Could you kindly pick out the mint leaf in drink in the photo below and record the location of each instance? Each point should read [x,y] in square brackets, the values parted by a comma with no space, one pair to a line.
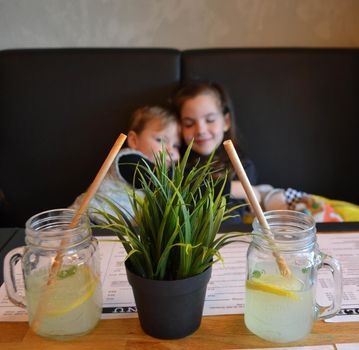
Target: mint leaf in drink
[67,272]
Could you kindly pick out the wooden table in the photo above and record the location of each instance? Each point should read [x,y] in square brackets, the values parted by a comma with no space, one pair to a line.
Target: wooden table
[216,332]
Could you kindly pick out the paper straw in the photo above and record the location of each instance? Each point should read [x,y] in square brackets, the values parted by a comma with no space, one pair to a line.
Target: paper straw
[238,167]
[56,265]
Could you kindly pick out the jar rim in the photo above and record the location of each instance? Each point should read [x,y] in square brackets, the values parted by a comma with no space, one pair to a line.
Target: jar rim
[53,224]
[290,230]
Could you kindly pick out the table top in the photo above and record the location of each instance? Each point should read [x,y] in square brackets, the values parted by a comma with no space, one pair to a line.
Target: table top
[215,332]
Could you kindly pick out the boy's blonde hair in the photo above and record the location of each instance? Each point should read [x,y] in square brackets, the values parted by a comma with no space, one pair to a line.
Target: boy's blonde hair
[141,116]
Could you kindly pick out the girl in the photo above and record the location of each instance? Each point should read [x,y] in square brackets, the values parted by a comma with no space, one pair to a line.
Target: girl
[149,129]
[206,118]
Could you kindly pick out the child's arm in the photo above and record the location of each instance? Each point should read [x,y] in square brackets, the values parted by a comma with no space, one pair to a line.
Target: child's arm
[237,191]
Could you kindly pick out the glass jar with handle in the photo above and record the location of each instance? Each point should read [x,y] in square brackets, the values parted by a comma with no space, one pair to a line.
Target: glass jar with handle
[68,304]
[282,308]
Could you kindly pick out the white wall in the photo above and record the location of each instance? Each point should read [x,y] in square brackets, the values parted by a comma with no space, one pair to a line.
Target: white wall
[180,24]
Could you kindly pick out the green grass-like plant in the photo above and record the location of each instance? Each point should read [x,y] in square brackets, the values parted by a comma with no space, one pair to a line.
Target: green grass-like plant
[172,233]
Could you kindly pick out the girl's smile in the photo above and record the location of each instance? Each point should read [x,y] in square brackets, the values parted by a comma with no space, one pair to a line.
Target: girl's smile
[203,121]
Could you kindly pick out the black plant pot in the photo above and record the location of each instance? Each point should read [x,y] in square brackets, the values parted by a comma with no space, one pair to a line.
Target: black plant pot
[169,309]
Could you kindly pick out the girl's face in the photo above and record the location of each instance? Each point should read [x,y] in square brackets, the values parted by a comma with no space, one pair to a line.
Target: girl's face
[149,140]
[203,121]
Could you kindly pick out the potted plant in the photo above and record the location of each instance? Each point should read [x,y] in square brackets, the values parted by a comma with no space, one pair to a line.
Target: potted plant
[171,242]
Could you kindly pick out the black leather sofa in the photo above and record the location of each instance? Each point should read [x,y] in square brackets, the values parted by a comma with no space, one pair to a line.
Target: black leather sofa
[297,111]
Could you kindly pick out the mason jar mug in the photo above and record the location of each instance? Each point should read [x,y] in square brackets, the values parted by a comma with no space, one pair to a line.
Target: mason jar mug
[282,307]
[61,273]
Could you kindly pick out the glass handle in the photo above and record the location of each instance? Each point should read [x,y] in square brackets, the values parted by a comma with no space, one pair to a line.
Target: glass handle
[11,259]
[334,267]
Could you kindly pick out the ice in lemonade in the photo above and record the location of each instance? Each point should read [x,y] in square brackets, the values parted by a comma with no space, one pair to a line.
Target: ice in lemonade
[278,308]
[74,305]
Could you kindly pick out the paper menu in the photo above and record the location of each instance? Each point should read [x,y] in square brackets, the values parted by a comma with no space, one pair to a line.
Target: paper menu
[348,346]
[225,291]
[344,247]
[117,294]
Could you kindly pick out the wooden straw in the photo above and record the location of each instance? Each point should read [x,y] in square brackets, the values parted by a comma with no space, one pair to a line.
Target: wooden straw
[238,167]
[56,265]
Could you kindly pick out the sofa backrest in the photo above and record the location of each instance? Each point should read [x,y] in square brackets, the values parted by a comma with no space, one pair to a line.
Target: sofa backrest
[297,112]
[61,110]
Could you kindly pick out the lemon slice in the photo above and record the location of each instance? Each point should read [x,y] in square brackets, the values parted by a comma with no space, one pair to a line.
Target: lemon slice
[274,284]
[61,304]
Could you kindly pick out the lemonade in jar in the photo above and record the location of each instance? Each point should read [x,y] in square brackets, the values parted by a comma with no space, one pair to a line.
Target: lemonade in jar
[278,307]
[71,304]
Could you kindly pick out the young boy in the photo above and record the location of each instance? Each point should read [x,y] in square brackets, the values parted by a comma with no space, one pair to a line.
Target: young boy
[150,129]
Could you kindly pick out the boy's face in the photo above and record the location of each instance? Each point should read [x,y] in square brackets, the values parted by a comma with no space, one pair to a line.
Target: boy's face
[150,140]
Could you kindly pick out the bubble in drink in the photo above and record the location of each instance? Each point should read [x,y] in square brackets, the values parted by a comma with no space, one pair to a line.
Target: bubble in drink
[278,308]
[74,304]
